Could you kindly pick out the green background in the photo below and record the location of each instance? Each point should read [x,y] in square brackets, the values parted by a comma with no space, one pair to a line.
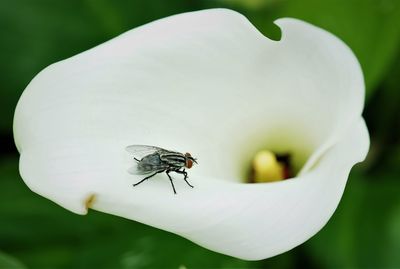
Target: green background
[35,233]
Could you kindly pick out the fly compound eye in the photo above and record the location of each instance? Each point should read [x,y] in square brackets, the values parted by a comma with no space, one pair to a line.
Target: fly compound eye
[189,160]
[189,163]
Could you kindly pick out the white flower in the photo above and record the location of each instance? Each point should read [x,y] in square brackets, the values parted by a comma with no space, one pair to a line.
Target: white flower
[208,83]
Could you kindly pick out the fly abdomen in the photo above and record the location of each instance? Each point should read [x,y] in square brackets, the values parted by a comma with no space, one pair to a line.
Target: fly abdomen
[150,163]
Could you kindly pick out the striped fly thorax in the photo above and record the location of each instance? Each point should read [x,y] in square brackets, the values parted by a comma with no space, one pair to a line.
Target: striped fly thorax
[175,159]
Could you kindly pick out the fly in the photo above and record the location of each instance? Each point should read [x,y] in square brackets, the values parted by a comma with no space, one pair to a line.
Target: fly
[154,160]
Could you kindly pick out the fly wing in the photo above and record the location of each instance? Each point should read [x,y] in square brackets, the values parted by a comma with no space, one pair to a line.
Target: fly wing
[133,170]
[140,151]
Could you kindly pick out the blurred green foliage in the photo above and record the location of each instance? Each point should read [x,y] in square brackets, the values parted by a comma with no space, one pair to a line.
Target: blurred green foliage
[9,262]
[35,233]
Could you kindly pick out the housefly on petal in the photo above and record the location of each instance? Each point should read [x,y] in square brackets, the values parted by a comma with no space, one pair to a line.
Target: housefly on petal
[154,160]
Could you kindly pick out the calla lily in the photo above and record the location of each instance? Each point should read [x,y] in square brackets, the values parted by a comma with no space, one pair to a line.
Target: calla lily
[210,84]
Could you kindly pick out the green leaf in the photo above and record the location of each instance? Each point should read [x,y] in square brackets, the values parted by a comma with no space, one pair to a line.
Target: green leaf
[9,262]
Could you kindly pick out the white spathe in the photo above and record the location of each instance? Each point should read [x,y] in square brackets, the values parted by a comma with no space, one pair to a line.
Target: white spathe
[208,83]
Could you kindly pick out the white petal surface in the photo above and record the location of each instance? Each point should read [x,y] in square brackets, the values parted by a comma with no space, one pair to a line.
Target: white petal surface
[209,83]
[249,221]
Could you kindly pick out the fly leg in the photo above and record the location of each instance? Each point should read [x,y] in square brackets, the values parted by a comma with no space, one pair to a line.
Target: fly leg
[170,179]
[185,176]
[136,159]
[147,178]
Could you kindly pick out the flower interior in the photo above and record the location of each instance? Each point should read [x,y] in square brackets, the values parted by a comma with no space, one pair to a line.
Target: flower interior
[268,166]
[276,156]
